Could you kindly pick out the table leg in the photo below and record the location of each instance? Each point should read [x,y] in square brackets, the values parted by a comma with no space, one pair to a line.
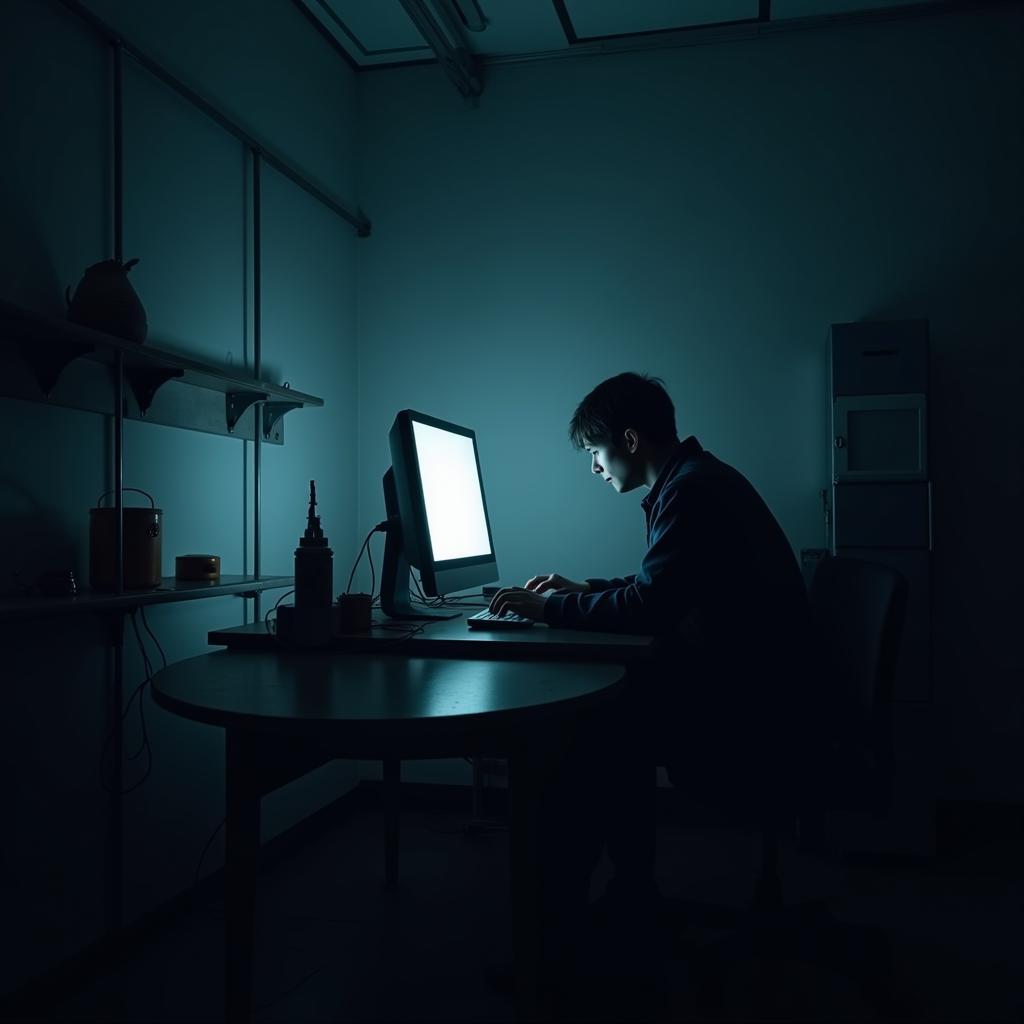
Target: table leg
[524,857]
[392,783]
[242,843]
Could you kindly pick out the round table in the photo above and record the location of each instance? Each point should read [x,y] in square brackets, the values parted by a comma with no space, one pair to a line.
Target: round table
[285,714]
[367,703]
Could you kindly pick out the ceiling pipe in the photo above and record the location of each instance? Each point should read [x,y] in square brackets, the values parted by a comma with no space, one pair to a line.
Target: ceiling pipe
[461,66]
[466,12]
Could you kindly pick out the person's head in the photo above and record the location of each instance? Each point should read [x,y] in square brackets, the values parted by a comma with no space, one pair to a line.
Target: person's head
[625,423]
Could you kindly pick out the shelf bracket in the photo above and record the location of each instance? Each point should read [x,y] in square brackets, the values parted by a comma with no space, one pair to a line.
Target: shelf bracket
[145,383]
[236,402]
[273,413]
[47,364]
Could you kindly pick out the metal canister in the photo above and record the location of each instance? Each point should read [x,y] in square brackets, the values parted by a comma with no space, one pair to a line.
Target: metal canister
[143,545]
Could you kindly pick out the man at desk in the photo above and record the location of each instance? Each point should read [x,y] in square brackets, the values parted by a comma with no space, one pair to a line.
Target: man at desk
[721,588]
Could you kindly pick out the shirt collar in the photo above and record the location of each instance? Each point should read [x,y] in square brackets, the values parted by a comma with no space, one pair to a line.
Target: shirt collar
[686,450]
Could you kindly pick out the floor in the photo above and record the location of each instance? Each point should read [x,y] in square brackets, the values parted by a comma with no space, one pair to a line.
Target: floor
[334,944]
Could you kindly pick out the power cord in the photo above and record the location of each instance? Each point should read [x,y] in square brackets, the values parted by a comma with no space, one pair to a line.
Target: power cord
[139,691]
[281,996]
[407,631]
[270,611]
[145,623]
[430,602]
[137,694]
[381,527]
[209,843]
[443,600]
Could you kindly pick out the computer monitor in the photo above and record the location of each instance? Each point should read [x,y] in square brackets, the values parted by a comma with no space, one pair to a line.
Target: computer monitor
[436,514]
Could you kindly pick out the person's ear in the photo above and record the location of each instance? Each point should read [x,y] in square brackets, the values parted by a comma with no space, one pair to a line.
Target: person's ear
[632,440]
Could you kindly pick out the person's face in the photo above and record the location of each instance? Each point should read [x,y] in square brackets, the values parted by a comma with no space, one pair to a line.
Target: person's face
[615,463]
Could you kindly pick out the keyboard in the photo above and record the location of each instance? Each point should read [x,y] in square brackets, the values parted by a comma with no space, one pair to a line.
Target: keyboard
[488,620]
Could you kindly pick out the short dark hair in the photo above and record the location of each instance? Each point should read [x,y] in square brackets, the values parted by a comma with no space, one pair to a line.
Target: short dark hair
[626,400]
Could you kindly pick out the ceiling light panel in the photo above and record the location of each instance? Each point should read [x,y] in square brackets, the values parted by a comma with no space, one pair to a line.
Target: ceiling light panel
[378,27]
[518,26]
[597,18]
[816,8]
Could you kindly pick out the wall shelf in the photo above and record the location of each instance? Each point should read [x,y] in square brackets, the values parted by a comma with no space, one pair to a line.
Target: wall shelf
[47,361]
[170,590]
[65,364]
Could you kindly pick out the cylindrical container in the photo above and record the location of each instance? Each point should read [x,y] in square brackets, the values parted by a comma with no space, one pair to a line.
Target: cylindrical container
[197,567]
[314,577]
[143,533]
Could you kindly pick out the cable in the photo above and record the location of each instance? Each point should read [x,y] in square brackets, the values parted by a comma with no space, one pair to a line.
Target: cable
[209,843]
[430,602]
[355,564]
[379,528]
[138,692]
[409,631]
[148,665]
[144,746]
[373,571]
[443,600]
[288,991]
[163,657]
[270,611]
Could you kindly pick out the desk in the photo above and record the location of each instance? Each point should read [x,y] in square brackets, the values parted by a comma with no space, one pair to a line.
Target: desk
[288,714]
[452,638]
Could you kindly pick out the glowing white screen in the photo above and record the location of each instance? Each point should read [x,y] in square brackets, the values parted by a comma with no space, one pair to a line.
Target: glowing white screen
[451,493]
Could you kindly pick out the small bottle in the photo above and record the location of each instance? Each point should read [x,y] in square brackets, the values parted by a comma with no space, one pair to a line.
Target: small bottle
[314,563]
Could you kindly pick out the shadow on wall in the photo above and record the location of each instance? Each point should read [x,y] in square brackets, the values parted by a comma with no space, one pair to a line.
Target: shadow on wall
[40,547]
[28,276]
[976,452]
[976,464]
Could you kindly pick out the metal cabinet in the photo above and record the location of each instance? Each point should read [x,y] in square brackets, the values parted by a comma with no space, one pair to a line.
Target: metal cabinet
[881,492]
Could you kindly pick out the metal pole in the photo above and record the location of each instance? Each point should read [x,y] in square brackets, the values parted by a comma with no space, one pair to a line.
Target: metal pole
[119,466]
[115,863]
[117,159]
[115,881]
[356,218]
[257,358]
[392,812]
[118,151]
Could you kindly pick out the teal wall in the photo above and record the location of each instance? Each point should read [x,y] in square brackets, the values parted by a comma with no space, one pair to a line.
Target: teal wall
[704,214]
[188,190]
[700,213]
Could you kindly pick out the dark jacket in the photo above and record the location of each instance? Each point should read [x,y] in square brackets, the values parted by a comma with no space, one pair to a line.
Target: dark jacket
[719,584]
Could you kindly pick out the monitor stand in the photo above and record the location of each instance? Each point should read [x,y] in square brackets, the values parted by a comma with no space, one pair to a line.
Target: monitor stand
[395,597]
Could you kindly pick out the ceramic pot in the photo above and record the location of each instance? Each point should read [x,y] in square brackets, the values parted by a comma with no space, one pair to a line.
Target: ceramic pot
[106,301]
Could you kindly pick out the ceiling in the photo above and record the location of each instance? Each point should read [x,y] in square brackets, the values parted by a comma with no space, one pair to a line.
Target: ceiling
[467,33]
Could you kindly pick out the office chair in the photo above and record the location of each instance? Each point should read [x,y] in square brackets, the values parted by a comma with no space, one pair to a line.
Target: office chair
[858,610]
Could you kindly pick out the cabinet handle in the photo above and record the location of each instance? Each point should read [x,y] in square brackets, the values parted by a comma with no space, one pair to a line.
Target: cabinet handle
[930,535]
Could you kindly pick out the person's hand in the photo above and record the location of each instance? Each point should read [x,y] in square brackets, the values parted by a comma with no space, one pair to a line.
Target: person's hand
[552,581]
[519,602]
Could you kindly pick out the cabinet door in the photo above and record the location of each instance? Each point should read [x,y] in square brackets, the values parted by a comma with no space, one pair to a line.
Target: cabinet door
[881,515]
[879,437]
[879,357]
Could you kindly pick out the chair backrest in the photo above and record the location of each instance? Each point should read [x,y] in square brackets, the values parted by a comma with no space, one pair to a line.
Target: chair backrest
[858,609]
